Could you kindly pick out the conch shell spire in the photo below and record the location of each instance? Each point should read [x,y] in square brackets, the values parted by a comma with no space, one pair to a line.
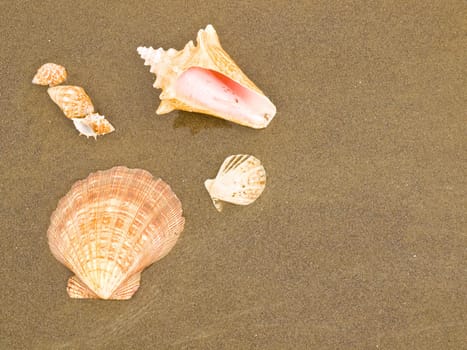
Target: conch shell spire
[205,79]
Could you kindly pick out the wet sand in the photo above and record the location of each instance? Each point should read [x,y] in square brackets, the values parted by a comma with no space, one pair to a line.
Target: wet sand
[359,240]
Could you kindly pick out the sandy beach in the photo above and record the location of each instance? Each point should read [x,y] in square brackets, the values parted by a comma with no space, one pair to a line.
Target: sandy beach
[359,239]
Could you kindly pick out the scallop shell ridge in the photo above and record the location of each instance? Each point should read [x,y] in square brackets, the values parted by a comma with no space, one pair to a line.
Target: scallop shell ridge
[112,225]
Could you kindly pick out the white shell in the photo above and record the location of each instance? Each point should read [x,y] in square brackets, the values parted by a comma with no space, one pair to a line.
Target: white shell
[93,125]
[240,180]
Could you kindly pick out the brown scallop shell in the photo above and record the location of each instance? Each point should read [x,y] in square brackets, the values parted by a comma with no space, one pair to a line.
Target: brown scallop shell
[109,227]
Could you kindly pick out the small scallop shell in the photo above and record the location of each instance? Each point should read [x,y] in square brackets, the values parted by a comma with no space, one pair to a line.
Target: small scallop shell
[50,74]
[109,227]
[93,125]
[72,100]
[240,180]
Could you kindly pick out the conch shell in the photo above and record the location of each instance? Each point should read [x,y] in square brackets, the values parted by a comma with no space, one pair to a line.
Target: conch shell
[50,74]
[205,79]
[72,100]
[240,180]
[109,227]
[93,125]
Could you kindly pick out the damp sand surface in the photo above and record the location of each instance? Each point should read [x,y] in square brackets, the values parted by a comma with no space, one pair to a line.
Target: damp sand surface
[358,241]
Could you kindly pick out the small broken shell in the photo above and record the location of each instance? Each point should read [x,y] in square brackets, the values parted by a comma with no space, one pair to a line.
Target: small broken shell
[205,79]
[93,125]
[109,227]
[240,180]
[72,100]
[50,74]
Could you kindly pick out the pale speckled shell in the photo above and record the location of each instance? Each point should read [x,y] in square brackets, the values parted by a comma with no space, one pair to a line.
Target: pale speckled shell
[50,74]
[241,180]
[93,125]
[72,100]
[109,227]
[169,65]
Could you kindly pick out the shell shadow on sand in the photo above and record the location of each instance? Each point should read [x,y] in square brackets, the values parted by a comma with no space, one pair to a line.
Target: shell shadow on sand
[197,122]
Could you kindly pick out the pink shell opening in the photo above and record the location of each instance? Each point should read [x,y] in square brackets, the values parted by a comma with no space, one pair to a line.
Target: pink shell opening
[217,94]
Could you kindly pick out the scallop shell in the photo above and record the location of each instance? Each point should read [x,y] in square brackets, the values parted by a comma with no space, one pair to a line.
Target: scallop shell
[50,74]
[109,227]
[240,180]
[93,125]
[205,79]
[72,100]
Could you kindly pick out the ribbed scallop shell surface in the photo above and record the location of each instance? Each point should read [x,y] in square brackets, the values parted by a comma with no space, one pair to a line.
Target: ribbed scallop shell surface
[112,225]
[241,180]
